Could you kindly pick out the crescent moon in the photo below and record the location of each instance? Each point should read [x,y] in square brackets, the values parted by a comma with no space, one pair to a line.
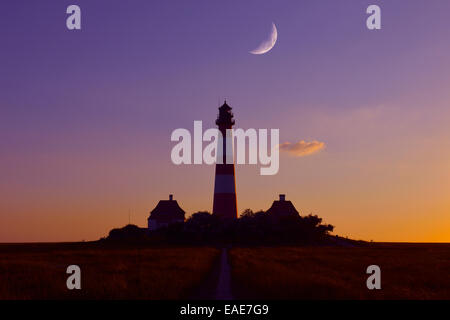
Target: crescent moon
[268,44]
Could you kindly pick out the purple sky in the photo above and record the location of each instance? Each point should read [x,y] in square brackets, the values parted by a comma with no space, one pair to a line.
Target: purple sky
[149,64]
[87,115]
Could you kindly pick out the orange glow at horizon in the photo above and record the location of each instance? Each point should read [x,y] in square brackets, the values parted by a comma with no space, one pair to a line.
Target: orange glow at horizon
[374,188]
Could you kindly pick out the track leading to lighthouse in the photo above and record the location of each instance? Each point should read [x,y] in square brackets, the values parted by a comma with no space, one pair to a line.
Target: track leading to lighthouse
[223,288]
[217,285]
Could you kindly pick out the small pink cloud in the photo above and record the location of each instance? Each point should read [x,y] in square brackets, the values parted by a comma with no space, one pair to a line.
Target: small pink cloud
[302,148]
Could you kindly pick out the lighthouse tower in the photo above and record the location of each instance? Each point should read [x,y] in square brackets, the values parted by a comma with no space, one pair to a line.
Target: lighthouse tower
[224,205]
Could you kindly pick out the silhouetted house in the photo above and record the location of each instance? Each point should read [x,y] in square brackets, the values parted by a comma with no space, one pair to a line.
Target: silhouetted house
[282,208]
[165,213]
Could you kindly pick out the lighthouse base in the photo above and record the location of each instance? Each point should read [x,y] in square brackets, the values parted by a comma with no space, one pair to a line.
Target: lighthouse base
[225,205]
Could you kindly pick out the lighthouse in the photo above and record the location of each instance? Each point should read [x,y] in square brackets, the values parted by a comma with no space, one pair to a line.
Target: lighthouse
[225,204]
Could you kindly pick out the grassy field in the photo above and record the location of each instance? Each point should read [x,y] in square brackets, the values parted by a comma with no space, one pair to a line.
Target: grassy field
[38,271]
[408,271]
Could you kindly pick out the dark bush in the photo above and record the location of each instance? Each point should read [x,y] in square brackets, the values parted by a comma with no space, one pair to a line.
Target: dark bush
[251,228]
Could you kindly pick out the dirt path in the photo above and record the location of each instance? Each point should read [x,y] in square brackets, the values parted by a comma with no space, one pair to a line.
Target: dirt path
[223,289]
[217,285]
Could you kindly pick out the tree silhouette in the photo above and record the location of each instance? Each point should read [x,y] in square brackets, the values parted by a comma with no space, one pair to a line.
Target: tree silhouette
[251,228]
